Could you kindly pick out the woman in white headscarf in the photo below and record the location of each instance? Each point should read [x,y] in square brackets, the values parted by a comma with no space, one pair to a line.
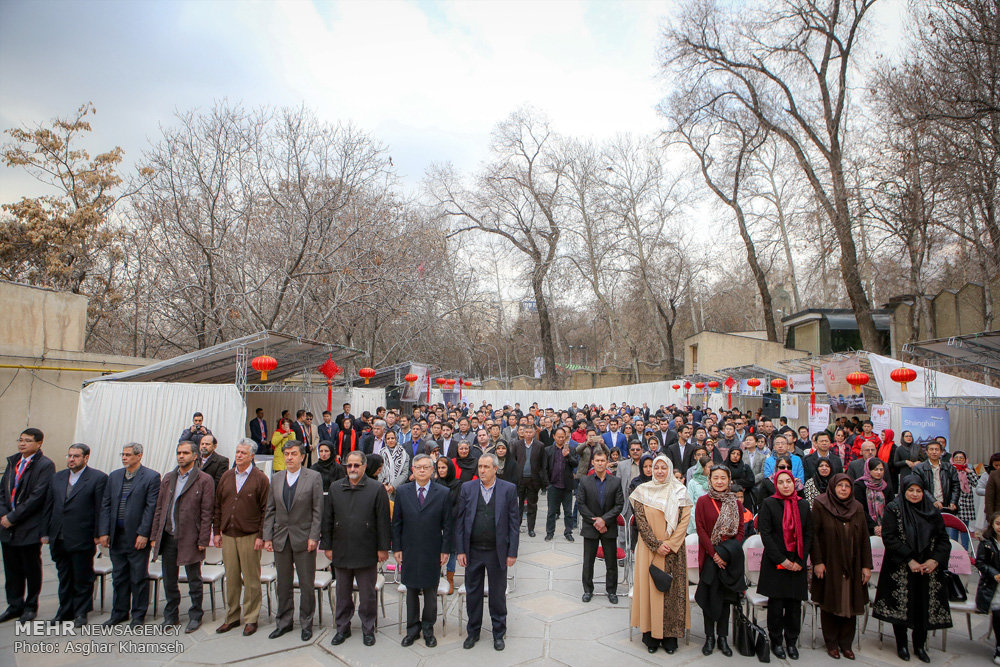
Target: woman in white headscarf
[662,511]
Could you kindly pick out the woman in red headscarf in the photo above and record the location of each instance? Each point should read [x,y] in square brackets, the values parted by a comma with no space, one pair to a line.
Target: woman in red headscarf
[888,449]
[785,529]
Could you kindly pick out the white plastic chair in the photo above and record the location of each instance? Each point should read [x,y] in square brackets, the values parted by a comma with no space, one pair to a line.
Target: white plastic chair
[268,575]
[753,552]
[960,564]
[322,581]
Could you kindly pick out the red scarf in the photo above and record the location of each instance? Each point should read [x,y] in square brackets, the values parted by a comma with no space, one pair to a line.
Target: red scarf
[884,451]
[791,522]
[340,443]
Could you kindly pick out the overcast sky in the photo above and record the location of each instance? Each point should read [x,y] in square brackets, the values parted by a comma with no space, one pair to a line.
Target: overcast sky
[429,79]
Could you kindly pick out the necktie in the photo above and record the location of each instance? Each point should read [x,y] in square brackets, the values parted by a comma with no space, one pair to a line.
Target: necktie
[420,496]
[22,464]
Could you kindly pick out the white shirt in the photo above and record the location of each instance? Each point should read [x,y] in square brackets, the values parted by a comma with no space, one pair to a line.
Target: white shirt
[292,477]
[74,477]
[242,477]
[425,487]
[377,447]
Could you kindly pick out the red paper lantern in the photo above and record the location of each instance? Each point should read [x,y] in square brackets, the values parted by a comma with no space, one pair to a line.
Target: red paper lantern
[367,374]
[699,385]
[450,382]
[410,377]
[263,364]
[857,380]
[778,384]
[713,385]
[467,383]
[676,387]
[440,382]
[330,369]
[903,376]
[753,383]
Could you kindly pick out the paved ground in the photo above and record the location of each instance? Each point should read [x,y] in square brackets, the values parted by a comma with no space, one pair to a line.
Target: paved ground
[547,624]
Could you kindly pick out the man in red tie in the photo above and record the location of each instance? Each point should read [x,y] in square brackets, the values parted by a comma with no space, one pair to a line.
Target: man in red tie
[23,489]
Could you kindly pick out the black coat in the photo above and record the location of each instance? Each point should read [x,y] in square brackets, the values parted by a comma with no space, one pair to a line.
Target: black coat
[509,471]
[861,495]
[743,476]
[74,518]
[139,509]
[681,462]
[422,533]
[591,508]
[810,462]
[537,449]
[215,466]
[27,513]
[781,583]
[326,431]
[570,461]
[356,523]
[255,432]
[988,564]
[950,488]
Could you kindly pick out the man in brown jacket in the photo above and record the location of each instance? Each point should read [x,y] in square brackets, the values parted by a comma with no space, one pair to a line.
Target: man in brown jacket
[240,503]
[182,526]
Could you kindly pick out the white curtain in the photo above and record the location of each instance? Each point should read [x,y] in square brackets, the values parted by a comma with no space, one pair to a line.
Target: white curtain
[112,414]
[653,394]
[915,394]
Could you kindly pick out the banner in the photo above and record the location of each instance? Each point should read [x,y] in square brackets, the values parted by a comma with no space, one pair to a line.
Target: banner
[790,406]
[798,383]
[843,400]
[747,390]
[924,423]
[880,418]
[417,391]
[819,418]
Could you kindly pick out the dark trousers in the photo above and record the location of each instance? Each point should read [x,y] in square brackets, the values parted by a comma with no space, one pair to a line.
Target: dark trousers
[527,494]
[288,563]
[919,636]
[483,563]
[168,559]
[130,579]
[718,627]
[367,598]
[784,620]
[610,546]
[22,566]
[415,621]
[559,498]
[76,580]
[995,619]
[838,631]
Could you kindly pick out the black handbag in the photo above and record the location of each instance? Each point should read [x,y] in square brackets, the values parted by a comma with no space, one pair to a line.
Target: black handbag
[761,642]
[955,587]
[743,637]
[661,579]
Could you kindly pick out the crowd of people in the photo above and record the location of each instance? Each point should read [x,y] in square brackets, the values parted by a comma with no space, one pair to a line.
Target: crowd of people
[454,486]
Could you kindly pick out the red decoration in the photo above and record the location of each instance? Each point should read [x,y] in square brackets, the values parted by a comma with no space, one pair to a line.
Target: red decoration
[730,383]
[778,384]
[753,383]
[812,388]
[450,382]
[467,383]
[676,387]
[902,376]
[857,380]
[264,363]
[713,385]
[367,374]
[330,369]
[410,377]
[440,382]
[699,385]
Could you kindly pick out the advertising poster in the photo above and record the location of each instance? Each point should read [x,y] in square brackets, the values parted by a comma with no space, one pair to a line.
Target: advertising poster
[925,423]
[799,383]
[819,417]
[880,418]
[843,400]
[747,390]
[417,391]
[790,406]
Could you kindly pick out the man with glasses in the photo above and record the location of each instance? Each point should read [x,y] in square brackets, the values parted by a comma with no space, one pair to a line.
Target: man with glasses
[126,524]
[780,447]
[356,538]
[421,541]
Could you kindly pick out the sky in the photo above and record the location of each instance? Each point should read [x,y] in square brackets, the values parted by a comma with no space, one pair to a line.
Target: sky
[428,79]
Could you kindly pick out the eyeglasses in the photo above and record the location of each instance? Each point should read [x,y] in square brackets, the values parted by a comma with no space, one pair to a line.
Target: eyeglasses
[783,468]
[353,465]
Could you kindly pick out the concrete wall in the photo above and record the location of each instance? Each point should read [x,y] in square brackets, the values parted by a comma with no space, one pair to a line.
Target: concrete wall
[720,350]
[951,313]
[46,329]
[809,338]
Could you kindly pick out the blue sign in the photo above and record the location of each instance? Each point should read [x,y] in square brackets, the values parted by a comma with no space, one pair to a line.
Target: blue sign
[924,423]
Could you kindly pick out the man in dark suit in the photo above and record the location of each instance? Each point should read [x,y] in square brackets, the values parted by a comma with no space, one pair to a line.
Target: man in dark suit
[528,454]
[601,500]
[211,462]
[327,429]
[558,470]
[421,532]
[810,462]
[681,452]
[258,428]
[72,510]
[615,438]
[487,533]
[23,490]
[126,524]
[304,434]
[666,436]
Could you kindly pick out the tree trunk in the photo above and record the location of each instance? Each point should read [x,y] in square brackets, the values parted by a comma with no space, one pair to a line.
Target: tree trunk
[545,328]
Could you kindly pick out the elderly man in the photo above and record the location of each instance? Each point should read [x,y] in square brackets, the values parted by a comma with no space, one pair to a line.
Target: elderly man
[126,524]
[421,533]
[856,469]
[356,538]
[211,463]
[291,530]
[487,533]
[182,525]
[72,511]
[373,443]
[240,506]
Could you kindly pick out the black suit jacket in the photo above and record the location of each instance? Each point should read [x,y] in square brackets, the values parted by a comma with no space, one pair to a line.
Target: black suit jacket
[591,508]
[326,431]
[537,449]
[422,533]
[810,462]
[138,510]
[215,467]
[75,517]
[508,518]
[666,440]
[681,462]
[255,431]
[27,511]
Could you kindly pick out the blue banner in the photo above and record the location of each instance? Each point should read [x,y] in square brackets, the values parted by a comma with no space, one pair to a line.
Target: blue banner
[924,423]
